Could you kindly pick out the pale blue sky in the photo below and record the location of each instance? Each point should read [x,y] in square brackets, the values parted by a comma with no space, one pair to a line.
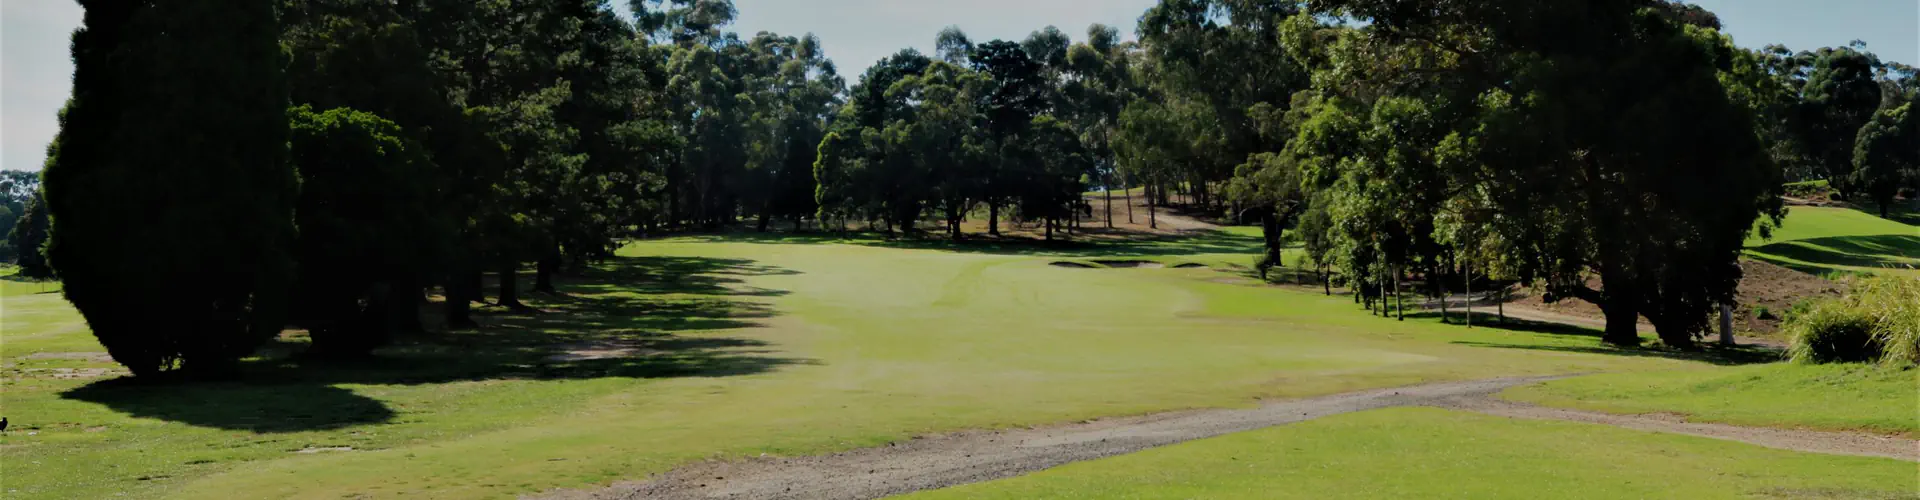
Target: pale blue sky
[35,71]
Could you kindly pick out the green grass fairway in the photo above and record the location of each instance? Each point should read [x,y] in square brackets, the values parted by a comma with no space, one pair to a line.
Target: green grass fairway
[1432,453]
[1824,240]
[730,346]
[1840,397]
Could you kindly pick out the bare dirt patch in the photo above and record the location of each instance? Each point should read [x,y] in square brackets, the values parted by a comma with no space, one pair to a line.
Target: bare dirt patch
[323,449]
[600,349]
[1129,264]
[98,357]
[948,460]
[72,373]
[1765,293]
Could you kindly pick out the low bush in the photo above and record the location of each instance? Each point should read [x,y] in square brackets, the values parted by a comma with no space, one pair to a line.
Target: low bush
[1807,189]
[1879,320]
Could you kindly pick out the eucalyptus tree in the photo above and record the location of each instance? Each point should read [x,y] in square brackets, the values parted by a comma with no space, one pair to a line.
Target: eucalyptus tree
[1886,155]
[1652,191]
[1018,93]
[854,173]
[793,87]
[1840,95]
[1100,85]
[944,133]
[1227,55]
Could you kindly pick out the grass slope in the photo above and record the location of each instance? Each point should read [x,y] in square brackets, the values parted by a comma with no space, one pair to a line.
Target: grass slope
[1840,397]
[1825,240]
[1432,453]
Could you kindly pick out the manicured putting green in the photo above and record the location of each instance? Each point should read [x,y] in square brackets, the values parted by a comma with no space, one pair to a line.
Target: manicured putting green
[1432,453]
[1823,240]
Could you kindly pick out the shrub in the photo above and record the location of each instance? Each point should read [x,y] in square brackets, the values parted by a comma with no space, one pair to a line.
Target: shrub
[1878,321]
[1807,189]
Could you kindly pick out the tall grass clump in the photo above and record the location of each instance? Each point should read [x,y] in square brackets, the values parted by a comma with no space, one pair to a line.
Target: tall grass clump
[1879,320]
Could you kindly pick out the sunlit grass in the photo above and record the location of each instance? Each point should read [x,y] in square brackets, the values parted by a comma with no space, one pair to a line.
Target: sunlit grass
[1432,453]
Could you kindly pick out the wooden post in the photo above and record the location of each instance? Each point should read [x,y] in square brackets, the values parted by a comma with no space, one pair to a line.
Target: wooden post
[1726,324]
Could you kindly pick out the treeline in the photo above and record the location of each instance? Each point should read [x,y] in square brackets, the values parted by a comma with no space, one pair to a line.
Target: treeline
[222,172]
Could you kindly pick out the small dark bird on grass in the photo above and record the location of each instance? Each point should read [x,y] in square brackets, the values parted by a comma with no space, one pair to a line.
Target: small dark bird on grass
[3,423]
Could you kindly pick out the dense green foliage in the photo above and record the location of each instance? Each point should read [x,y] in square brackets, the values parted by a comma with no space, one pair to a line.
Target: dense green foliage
[18,189]
[27,239]
[369,228]
[208,199]
[1877,321]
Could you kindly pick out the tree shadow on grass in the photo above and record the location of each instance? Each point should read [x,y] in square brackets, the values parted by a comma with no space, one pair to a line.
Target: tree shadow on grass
[1710,353]
[1879,251]
[1484,319]
[1112,244]
[1724,356]
[629,317]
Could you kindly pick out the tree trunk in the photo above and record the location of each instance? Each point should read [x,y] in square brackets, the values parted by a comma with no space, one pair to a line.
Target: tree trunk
[1109,194]
[1726,324]
[993,217]
[544,271]
[461,293]
[766,214]
[407,297]
[510,286]
[1153,222]
[1326,279]
[1270,231]
[1623,322]
[1399,299]
[1129,204]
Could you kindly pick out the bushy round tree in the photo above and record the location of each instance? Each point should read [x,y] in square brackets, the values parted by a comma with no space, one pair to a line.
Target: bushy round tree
[170,195]
[369,227]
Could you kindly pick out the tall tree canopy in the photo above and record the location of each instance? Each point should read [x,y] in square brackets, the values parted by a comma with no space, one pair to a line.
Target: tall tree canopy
[209,201]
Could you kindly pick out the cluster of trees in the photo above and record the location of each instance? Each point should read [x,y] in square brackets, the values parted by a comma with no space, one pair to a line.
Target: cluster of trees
[323,163]
[23,220]
[1016,127]
[1617,152]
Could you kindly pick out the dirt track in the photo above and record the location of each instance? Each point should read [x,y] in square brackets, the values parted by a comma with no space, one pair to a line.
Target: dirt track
[942,461]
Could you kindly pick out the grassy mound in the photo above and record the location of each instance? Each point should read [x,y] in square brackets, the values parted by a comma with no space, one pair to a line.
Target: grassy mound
[1828,240]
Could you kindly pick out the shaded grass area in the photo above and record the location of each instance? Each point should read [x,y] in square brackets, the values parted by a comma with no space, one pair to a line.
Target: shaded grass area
[1229,240]
[11,283]
[81,438]
[1432,453]
[1839,396]
[1826,240]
